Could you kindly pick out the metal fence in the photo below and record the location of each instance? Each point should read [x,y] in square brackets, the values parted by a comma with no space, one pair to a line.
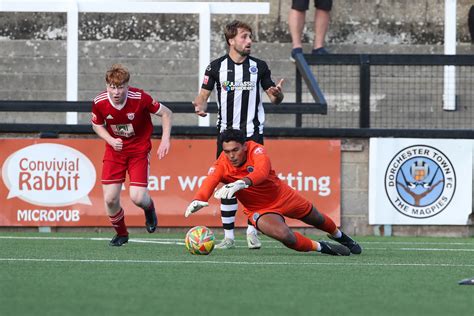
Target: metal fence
[343,96]
[391,91]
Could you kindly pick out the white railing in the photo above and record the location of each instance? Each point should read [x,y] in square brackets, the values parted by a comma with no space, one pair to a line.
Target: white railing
[449,90]
[73,7]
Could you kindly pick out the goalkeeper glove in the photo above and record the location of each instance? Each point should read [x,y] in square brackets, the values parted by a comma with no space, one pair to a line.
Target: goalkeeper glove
[194,207]
[228,190]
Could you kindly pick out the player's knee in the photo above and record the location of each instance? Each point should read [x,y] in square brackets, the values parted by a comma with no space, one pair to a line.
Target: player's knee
[319,218]
[286,236]
[112,201]
[140,198]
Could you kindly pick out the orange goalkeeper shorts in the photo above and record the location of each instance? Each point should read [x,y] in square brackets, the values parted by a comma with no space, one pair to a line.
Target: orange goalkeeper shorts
[289,204]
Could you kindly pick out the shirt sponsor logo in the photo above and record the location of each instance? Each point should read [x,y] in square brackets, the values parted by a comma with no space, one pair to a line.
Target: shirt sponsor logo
[240,85]
[420,181]
[124,130]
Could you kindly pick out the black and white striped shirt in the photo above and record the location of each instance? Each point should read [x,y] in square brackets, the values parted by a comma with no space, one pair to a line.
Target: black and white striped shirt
[239,92]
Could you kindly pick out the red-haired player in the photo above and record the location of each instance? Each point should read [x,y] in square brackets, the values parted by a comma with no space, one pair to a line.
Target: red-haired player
[246,170]
[121,116]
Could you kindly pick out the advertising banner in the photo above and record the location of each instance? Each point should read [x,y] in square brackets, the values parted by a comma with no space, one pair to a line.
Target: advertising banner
[420,181]
[56,182]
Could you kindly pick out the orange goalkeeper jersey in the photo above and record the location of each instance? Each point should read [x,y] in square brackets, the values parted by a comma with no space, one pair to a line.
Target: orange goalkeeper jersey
[266,187]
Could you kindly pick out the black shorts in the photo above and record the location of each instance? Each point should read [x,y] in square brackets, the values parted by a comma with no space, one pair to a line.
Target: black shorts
[303,5]
[258,138]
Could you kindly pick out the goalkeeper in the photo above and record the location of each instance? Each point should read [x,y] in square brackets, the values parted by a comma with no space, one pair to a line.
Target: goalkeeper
[245,169]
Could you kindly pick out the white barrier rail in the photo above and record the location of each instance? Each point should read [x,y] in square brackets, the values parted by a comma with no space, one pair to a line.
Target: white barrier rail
[449,90]
[73,7]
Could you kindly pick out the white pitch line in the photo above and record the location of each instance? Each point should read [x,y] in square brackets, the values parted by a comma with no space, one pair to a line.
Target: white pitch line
[179,241]
[156,240]
[434,249]
[89,238]
[449,265]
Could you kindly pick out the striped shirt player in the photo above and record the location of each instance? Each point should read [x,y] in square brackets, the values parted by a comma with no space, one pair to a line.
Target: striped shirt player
[121,116]
[239,80]
[239,88]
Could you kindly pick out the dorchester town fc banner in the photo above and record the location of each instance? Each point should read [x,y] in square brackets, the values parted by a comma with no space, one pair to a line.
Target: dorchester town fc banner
[420,181]
[57,182]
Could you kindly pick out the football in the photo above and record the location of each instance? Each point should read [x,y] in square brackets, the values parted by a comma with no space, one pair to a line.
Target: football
[199,240]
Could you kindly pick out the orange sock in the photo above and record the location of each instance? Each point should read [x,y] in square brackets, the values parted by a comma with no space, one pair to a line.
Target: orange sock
[328,225]
[302,243]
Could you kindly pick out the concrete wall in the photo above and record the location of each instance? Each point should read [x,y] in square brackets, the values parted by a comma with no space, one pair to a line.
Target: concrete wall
[353,22]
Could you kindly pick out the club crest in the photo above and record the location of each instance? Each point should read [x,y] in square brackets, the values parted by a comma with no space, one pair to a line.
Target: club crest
[420,181]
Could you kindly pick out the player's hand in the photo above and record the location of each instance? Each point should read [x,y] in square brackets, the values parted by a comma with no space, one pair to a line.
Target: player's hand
[228,190]
[276,90]
[200,109]
[195,206]
[164,148]
[117,144]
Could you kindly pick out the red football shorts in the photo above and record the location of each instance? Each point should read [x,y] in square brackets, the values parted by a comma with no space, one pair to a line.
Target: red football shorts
[117,164]
[289,204]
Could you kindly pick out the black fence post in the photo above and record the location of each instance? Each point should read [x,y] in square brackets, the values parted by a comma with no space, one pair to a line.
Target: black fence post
[364,93]
[299,93]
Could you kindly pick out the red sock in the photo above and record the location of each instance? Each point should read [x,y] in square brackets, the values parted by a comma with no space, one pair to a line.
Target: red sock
[118,222]
[302,243]
[328,225]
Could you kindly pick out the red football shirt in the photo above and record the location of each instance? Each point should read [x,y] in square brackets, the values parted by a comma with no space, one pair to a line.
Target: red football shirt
[132,122]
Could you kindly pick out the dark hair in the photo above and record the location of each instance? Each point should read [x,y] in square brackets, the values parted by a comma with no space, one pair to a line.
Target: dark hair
[230,135]
[231,29]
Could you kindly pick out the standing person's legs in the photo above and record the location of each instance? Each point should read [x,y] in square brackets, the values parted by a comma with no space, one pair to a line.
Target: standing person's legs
[113,175]
[138,170]
[115,213]
[321,24]
[228,211]
[296,21]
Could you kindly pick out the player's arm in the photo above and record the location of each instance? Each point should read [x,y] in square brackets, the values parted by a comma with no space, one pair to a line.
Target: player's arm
[200,102]
[208,83]
[275,93]
[101,131]
[166,121]
[208,186]
[262,166]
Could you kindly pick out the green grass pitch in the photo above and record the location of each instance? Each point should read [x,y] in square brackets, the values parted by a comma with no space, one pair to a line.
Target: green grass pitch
[79,274]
